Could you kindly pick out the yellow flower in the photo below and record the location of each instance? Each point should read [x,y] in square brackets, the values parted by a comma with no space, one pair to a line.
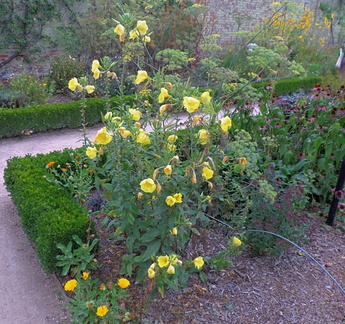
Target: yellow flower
[174,231]
[236,241]
[91,152]
[95,65]
[73,84]
[196,120]
[90,88]
[85,275]
[108,115]
[168,169]
[123,283]
[170,201]
[198,262]
[207,173]
[225,123]
[116,120]
[136,114]
[171,147]
[102,310]
[225,158]
[172,138]
[178,198]
[119,30]
[163,261]
[103,137]
[163,108]
[140,195]
[171,269]
[151,273]
[143,138]
[133,34]
[147,39]
[70,285]
[205,97]
[124,132]
[243,161]
[164,94]
[148,185]
[204,136]
[142,27]
[191,104]
[96,74]
[141,76]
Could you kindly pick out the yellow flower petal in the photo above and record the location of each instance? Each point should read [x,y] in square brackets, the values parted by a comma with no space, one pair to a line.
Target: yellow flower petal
[102,137]
[225,123]
[198,262]
[170,201]
[148,185]
[164,94]
[142,27]
[191,104]
[236,241]
[207,173]
[102,310]
[123,283]
[205,97]
[136,114]
[143,138]
[91,152]
[89,89]
[119,30]
[163,261]
[141,76]
[95,65]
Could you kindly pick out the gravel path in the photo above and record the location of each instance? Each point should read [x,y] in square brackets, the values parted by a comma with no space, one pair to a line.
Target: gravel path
[29,296]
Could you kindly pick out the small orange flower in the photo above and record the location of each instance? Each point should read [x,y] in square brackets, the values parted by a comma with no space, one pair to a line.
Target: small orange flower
[91,171]
[50,164]
[63,169]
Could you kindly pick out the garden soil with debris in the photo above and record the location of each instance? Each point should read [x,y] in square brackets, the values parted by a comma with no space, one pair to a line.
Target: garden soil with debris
[286,289]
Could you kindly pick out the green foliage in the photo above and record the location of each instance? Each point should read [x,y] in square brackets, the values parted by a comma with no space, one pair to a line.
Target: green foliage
[14,122]
[77,260]
[63,68]
[283,87]
[95,302]
[22,25]
[75,176]
[28,90]
[48,212]
[279,217]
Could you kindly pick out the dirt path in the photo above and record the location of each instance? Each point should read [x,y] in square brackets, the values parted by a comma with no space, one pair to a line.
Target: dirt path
[29,296]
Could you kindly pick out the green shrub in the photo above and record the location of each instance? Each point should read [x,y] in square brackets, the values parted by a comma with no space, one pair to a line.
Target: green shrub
[63,68]
[283,87]
[29,90]
[13,122]
[49,213]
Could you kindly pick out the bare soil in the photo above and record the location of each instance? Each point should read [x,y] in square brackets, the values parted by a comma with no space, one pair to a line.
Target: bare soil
[286,289]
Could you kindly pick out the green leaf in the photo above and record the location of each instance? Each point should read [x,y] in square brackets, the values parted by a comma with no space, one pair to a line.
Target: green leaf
[151,250]
[149,236]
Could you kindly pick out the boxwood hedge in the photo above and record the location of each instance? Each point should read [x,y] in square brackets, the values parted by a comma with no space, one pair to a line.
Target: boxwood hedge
[48,212]
[13,122]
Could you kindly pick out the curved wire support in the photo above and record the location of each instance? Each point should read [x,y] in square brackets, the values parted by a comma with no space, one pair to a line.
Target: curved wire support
[294,244]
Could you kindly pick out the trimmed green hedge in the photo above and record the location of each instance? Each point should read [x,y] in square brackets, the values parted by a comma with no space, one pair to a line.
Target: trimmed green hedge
[54,116]
[287,86]
[48,212]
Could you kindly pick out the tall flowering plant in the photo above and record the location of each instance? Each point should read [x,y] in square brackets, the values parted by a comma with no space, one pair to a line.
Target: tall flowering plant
[158,189]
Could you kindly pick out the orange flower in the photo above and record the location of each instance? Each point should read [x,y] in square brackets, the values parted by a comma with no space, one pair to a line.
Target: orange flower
[50,164]
[123,283]
[63,169]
